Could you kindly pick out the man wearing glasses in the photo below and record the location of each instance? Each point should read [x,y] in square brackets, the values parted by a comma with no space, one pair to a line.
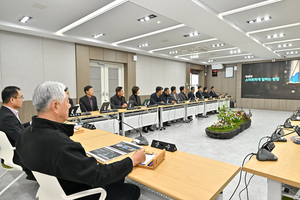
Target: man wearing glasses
[10,123]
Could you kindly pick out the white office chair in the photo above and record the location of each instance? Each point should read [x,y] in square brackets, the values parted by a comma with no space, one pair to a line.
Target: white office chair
[50,189]
[7,153]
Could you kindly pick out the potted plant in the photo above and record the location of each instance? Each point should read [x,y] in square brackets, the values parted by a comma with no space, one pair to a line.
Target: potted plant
[230,123]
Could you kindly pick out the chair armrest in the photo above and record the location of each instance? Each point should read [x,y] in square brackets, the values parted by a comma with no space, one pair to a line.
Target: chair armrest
[13,148]
[86,193]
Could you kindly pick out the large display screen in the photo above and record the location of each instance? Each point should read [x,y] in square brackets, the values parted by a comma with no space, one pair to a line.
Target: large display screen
[271,80]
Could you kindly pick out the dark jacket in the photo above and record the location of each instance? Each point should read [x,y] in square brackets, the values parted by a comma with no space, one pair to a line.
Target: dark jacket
[154,99]
[205,94]
[136,99]
[164,97]
[191,96]
[213,94]
[85,104]
[12,127]
[174,96]
[114,101]
[199,95]
[45,147]
[182,96]
[71,102]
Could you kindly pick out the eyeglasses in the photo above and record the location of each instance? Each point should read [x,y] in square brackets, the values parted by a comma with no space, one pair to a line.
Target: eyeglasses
[21,97]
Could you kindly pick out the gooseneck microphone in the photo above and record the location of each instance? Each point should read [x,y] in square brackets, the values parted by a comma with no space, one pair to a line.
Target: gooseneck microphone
[140,140]
[264,152]
[86,112]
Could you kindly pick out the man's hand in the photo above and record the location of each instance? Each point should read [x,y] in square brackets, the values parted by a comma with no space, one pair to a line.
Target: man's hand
[124,105]
[197,99]
[138,157]
[173,101]
[162,101]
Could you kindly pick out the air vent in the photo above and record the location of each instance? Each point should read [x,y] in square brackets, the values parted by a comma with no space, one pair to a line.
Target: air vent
[39,6]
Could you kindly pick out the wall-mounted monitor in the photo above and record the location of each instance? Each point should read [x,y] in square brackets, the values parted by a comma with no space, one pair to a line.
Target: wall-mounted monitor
[271,80]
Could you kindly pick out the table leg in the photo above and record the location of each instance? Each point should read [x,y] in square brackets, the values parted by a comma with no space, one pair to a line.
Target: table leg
[204,106]
[274,190]
[122,124]
[160,113]
[185,112]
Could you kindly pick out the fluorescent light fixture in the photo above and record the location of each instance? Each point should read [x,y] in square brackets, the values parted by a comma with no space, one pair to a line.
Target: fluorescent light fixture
[147,18]
[194,56]
[209,51]
[249,7]
[210,61]
[231,56]
[274,28]
[143,45]
[275,36]
[173,52]
[248,57]
[92,15]
[149,34]
[259,19]
[185,44]
[292,40]
[191,34]
[287,49]
[25,19]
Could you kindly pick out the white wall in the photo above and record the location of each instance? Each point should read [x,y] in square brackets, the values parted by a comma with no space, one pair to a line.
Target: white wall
[26,61]
[152,72]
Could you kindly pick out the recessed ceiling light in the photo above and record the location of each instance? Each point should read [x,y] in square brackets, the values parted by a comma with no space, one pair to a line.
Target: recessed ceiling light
[191,34]
[235,51]
[173,52]
[147,18]
[210,61]
[266,18]
[275,36]
[98,35]
[217,45]
[260,19]
[25,19]
[143,45]
[194,56]
[248,57]
[158,22]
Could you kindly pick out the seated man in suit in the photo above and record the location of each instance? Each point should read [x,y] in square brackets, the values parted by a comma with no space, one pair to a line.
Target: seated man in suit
[89,101]
[137,102]
[212,92]
[70,100]
[205,93]
[181,95]
[165,95]
[191,94]
[118,100]
[46,147]
[174,95]
[156,97]
[10,123]
[199,93]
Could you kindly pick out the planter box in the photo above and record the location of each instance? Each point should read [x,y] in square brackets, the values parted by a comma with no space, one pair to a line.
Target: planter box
[229,134]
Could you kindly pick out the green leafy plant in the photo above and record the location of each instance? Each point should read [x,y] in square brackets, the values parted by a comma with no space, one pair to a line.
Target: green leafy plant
[228,119]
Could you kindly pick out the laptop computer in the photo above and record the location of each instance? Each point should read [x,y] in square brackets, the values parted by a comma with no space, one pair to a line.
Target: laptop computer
[104,107]
[72,111]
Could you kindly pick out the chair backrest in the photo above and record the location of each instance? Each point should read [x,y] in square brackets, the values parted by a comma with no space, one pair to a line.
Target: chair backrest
[49,187]
[7,151]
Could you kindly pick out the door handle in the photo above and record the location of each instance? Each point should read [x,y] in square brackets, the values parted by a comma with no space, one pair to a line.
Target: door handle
[106,93]
[103,94]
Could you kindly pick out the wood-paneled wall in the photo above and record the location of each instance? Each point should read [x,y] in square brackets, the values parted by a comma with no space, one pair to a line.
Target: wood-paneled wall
[86,53]
[223,85]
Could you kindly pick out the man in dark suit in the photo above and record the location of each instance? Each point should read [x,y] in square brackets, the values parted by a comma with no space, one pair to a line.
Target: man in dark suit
[212,92]
[182,95]
[174,95]
[89,101]
[205,93]
[156,97]
[199,93]
[191,94]
[46,147]
[118,100]
[134,97]
[10,123]
[165,95]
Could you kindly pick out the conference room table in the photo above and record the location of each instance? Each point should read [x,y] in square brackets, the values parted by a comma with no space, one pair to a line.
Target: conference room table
[179,176]
[283,171]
